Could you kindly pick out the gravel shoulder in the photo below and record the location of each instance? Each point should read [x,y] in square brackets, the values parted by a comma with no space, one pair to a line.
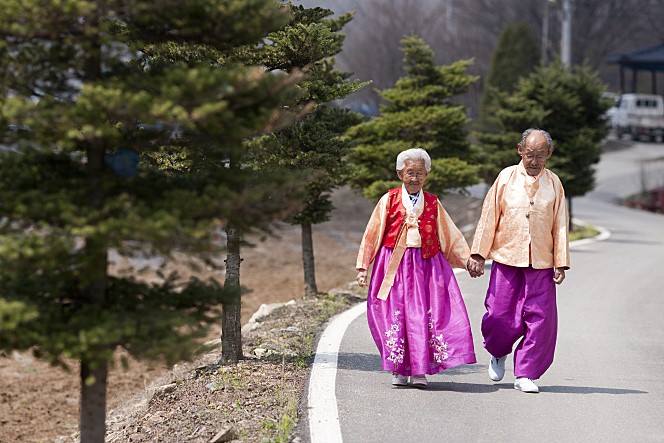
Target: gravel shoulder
[256,400]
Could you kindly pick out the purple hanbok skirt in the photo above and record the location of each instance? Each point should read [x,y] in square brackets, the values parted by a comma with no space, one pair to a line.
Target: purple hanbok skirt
[422,327]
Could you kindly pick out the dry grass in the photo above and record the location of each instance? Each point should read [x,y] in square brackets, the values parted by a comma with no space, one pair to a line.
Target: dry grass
[257,399]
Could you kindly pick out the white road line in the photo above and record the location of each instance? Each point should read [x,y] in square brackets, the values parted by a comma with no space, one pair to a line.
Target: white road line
[323,412]
[322,400]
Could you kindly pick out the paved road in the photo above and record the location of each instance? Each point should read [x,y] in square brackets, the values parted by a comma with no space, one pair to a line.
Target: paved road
[607,381]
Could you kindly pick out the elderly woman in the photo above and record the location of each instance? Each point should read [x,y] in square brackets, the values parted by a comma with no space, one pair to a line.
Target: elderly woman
[416,314]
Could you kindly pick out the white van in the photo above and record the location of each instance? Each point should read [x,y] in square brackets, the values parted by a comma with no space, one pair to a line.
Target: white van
[639,115]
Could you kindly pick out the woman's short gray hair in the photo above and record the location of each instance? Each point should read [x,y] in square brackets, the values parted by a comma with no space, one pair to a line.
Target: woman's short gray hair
[414,154]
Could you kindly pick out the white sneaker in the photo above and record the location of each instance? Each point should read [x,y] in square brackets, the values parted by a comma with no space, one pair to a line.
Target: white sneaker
[497,368]
[524,384]
[399,380]
[418,381]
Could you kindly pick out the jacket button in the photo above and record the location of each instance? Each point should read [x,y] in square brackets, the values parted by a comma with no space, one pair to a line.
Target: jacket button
[528,215]
[532,202]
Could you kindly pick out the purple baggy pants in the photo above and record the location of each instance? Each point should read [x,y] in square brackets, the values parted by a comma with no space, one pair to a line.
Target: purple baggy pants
[521,302]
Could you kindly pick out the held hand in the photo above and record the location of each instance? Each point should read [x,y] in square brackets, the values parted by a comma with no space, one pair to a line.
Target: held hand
[558,275]
[362,278]
[475,265]
[470,267]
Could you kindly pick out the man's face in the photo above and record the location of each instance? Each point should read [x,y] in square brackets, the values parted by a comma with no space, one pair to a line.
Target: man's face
[535,153]
[413,175]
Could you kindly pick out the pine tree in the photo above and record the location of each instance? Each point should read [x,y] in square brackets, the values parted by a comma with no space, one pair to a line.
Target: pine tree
[497,148]
[302,47]
[568,104]
[113,144]
[282,199]
[516,55]
[313,143]
[419,112]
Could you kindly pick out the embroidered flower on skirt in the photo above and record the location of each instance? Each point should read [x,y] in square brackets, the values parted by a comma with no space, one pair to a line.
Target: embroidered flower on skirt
[395,342]
[436,343]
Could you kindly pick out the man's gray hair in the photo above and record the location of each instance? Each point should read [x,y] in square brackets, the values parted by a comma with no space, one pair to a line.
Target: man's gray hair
[547,136]
[414,154]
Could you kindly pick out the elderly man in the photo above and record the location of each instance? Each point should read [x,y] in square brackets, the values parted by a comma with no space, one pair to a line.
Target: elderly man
[523,228]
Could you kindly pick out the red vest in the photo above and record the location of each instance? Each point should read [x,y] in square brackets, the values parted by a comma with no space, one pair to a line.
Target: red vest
[427,222]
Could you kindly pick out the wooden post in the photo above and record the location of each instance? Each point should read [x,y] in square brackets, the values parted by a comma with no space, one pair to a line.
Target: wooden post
[635,75]
[622,78]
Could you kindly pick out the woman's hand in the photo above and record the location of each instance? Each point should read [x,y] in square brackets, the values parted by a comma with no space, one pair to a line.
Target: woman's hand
[475,265]
[362,278]
[558,275]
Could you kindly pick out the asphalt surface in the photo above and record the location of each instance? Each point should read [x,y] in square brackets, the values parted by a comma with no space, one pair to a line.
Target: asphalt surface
[607,381]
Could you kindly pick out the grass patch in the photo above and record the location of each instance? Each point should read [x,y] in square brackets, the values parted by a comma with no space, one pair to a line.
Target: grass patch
[283,429]
[583,231]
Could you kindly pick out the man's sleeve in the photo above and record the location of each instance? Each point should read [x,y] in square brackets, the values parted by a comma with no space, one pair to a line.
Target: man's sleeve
[560,230]
[486,226]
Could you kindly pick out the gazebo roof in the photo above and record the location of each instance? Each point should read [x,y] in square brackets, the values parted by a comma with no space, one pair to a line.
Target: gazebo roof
[645,59]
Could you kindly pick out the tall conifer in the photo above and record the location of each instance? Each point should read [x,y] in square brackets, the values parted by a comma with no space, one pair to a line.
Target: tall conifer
[314,143]
[102,126]
[516,55]
[566,102]
[419,112]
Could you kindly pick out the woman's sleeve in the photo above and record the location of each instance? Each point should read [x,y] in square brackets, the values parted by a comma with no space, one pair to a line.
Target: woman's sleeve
[373,235]
[451,241]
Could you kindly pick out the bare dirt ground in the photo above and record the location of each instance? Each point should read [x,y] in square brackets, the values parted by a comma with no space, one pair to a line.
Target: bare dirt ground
[39,403]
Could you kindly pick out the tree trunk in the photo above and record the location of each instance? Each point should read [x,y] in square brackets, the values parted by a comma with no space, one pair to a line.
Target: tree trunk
[231,321]
[569,213]
[93,403]
[94,373]
[308,261]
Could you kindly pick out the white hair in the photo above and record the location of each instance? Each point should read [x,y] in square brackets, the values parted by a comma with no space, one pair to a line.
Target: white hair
[414,154]
[547,136]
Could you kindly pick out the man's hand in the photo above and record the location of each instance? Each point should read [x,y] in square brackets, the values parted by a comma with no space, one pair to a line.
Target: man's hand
[558,275]
[475,265]
[362,278]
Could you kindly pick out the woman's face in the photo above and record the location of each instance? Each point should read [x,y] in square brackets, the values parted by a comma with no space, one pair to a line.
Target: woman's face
[413,175]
